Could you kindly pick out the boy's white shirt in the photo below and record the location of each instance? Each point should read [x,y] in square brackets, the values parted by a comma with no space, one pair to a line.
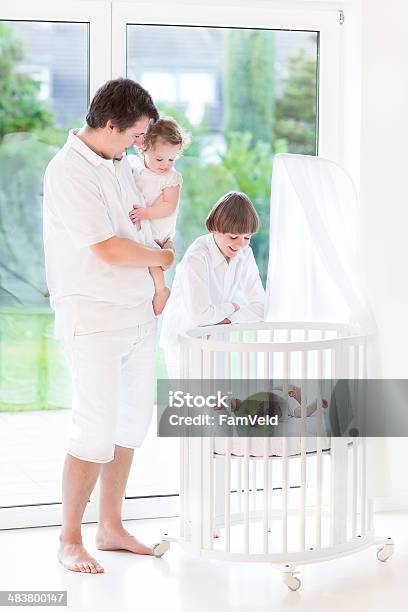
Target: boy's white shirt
[204,289]
[87,199]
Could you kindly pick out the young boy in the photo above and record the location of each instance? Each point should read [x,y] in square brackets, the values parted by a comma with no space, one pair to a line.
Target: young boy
[213,270]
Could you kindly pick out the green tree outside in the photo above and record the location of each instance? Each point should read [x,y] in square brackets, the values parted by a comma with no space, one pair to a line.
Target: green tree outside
[296,109]
[20,108]
[249,84]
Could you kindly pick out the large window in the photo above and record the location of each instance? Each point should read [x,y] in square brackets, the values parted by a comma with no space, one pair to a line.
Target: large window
[45,84]
[244,94]
[246,83]
[44,90]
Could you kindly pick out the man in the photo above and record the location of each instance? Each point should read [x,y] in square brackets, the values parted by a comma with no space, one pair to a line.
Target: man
[101,291]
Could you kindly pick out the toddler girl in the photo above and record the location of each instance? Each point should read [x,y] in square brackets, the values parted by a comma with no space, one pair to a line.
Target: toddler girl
[160,185]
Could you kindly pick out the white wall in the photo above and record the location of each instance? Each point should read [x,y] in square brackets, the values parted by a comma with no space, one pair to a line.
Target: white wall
[384,207]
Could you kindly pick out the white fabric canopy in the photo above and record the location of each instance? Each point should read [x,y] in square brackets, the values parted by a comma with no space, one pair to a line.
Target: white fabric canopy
[313,273]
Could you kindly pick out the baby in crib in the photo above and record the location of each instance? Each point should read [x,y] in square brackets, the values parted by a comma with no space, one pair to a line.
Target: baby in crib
[295,399]
[160,183]
[275,402]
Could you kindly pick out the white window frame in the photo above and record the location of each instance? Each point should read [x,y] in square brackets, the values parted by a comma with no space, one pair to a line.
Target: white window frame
[98,16]
[287,16]
[107,59]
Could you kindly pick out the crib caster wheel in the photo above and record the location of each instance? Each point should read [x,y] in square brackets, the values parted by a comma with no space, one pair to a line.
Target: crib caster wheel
[291,581]
[385,552]
[160,548]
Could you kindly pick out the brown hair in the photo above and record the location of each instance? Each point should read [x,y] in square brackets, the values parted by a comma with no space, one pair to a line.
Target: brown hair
[123,101]
[234,213]
[168,130]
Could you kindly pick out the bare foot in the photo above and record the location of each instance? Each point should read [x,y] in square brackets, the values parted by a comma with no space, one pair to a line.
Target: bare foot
[120,539]
[75,558]
[159,300]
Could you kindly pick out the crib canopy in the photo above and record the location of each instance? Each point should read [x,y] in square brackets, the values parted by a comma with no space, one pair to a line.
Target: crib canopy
[313,273]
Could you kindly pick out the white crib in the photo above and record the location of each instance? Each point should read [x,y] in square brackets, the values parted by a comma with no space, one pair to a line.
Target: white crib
[287,500]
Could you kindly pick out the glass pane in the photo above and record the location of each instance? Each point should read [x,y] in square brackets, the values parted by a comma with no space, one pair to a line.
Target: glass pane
[244,95]
[43,91]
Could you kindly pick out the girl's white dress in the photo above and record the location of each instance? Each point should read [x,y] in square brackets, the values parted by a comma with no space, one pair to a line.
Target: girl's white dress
[151,185]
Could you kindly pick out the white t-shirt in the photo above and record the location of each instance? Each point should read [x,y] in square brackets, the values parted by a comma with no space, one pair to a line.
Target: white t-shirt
[151,185]
[205,286]
[87,199]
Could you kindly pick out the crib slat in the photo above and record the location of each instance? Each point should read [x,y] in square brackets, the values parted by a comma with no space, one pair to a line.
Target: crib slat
[245,365]
[356,361]
[246,496]
[266,365]
[363,499]
[253,485]
[207,367]
[319,457]
[184,493]
[227,495]
[240,358]
[339,490]
[333,363]
[285,372]
[285,460]
[227,366]
[272,374]
[285,483]
[265,495]
[303,440]
[239,484]
[207,450]
[354,489]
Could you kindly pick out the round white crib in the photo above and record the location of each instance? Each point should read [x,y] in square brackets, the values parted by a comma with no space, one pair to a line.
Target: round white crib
[284,500]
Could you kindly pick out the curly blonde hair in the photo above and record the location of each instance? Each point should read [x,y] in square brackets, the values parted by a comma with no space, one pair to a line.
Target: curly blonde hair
[165,128]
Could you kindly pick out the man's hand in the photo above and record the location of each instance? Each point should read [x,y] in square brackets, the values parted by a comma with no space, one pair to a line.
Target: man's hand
[138,212]
[168,245]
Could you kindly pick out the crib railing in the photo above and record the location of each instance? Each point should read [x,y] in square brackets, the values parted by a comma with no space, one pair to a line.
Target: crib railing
[273,350]
[290,499]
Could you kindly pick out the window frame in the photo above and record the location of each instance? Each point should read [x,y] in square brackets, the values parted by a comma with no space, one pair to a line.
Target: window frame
[107,59]
[292,16]
[96,14]
[98,17]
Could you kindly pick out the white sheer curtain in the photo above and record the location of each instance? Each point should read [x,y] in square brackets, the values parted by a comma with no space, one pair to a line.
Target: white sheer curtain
[313,273]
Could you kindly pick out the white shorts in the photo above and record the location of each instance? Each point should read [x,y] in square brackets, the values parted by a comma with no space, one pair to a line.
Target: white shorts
[113,376]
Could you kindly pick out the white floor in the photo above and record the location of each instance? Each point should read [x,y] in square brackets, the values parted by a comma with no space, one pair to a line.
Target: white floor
[179,582]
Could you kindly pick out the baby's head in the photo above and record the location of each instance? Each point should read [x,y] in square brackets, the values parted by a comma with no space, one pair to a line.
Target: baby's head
[163,142]
[232,220]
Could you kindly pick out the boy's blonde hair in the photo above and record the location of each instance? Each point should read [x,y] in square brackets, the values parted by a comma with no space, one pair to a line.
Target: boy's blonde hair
[168,130]
[233,213]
